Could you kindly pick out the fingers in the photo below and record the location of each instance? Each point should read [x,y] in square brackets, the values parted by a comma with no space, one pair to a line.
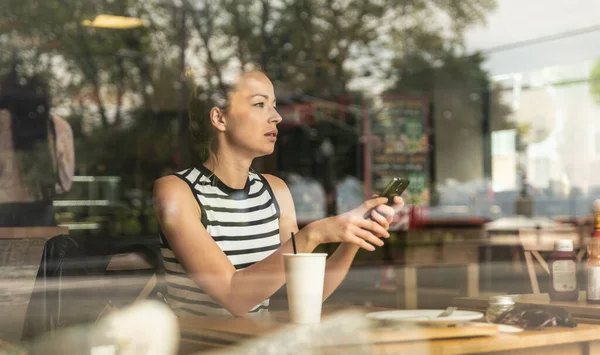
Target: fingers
[367,236]
[388,213]
[360,242]
[372,226]
[374,202]
[398,202]
[383,220]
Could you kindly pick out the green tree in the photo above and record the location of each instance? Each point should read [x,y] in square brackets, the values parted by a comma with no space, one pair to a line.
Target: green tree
[306,45]
[113,78]
[105,69]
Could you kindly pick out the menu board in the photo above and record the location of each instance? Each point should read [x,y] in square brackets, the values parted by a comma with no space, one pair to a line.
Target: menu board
[401,146]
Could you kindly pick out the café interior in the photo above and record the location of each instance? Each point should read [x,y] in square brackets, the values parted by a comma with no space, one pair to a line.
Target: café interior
[485,108]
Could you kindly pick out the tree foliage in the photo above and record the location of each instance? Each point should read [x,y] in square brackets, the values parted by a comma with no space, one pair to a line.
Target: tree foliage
[127,85]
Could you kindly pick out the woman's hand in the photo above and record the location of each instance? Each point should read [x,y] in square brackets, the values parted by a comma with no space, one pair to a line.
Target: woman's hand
[384,214]
[353,227]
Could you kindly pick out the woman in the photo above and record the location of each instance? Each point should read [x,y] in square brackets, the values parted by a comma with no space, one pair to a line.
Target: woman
[225,228]
[36,153]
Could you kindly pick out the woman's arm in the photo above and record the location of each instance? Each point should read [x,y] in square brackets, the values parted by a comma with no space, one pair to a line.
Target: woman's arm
[340,261]
[203,260]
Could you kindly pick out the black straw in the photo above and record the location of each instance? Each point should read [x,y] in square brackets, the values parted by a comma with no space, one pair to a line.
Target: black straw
[294,243]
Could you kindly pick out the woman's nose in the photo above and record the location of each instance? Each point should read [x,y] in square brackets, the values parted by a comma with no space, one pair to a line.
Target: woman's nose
[275,117]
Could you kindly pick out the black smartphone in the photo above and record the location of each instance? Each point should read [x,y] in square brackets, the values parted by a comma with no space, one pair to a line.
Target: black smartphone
[394,188]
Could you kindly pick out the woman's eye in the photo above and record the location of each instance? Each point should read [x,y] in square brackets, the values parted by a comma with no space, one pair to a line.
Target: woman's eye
[260,104]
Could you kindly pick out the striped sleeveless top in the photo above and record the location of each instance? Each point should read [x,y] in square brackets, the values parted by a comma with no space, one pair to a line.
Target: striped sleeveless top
[243,222]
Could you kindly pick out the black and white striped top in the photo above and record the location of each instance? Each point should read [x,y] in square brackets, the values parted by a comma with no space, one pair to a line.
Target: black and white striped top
[243,222]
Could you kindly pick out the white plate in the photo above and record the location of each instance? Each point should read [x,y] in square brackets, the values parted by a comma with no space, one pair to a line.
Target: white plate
[424,316]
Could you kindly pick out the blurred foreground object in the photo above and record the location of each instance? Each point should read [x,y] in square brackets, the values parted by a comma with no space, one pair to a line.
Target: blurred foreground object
[146,328]
[311,339]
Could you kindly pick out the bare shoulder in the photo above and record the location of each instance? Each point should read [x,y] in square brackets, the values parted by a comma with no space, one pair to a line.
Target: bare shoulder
[282,192]
[171,196]
[287,218]
[169,187]
[277,184]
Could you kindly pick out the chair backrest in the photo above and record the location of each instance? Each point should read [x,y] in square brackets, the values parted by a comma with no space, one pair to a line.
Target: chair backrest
[74,284]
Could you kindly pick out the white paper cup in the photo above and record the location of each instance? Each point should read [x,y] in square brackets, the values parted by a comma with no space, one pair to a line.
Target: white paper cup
[305,276]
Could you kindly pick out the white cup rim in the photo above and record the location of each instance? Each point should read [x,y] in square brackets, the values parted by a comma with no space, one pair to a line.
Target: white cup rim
[305,254]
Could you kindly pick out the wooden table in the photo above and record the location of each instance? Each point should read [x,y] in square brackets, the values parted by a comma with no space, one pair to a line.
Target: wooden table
[31,232]
[203,333]
[15,237]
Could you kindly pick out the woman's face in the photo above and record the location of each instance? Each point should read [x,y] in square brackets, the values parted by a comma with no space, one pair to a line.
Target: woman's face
[251,120]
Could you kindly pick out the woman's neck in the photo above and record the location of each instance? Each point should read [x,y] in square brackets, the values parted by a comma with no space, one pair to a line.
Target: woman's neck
[232,171]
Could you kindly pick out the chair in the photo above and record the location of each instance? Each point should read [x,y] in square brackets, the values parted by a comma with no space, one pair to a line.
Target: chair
[76,284]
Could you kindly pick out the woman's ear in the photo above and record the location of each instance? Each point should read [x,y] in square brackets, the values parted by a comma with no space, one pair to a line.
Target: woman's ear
[217,118]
